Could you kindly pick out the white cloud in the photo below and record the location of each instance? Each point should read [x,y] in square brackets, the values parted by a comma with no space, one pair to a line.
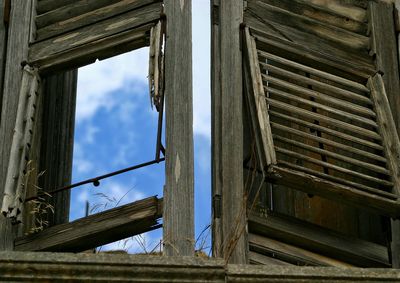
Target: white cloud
[97,81]
[81,164]
[201,68]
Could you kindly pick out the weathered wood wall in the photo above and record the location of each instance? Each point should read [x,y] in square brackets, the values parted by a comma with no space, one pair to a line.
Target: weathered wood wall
[178,216]
[227,141]
[3,45]
[57,140]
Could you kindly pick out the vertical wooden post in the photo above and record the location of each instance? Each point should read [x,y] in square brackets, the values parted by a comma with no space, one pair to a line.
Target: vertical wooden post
[228,132]
[178,217]
[384,45]
[3,43]
[58,124]
[17,52]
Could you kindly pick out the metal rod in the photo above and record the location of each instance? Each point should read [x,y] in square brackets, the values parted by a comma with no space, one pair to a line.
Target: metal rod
[96,180]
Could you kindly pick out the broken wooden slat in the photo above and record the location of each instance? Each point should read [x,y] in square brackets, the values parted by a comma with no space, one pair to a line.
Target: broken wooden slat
[336,35]
[320,240]
[351,21]
[320,57]
[155,64]
[330,190]
[98,49]
[95,230]
[334,122]
[289,253]
[326,130]
[70,41]
[348,148]
[77,16]
[352,9]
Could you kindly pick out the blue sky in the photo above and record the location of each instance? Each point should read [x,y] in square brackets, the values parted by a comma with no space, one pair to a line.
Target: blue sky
[116,128]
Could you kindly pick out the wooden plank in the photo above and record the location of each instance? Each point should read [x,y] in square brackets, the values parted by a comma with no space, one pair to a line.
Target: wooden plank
[387,129]
[273,14]
[329,131]
[78,14]
[338,180]
[334,122]
[17,50]
[57,141]
[257,258]
[178,229]
[99,49]
[323,152]
[384,45]
[316,72]
[317,57]
[258,98]
[348,148]
[320,85]
[86,35]
[335,111]
[332,166]
[3,49]
[95,230]
[329,99]
[44,6]
[352,9]
[319,240]
[216,130]
[290,253]
[350,21]
[330,190]
[231,135]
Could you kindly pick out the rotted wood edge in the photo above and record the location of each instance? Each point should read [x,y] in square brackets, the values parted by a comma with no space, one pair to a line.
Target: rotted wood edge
[95,230]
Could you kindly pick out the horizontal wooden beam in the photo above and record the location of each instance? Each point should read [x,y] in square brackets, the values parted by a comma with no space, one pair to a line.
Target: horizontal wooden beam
[320,240]
[96,230]
[331,190]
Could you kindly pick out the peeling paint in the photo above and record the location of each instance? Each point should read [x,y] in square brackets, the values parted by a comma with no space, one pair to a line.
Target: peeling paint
[177,169]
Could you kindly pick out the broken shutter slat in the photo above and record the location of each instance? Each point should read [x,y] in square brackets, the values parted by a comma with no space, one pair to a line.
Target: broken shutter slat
[17,173]
[155,64]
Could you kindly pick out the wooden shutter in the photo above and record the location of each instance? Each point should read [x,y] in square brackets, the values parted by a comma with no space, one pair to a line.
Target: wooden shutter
[18,171]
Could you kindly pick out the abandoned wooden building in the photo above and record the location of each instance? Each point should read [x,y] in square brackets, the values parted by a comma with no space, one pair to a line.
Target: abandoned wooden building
[305,150]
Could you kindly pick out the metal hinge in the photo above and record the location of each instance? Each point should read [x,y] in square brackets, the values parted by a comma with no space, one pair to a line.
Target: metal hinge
[6,12]
[217,206]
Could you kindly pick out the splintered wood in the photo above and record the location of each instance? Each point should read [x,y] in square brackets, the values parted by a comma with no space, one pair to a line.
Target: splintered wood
[18,171]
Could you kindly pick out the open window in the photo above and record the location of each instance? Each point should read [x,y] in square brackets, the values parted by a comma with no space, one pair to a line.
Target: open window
[67,35]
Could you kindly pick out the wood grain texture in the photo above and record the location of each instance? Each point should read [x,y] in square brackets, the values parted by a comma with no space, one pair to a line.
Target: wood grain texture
[320,240]
[312,185]
[3,48]
[58,123]
[384,45]
[289,253]
[273,14]
[83,13]
[17,51]
[178,217]
[75,39]
[96,230]
[231,134]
